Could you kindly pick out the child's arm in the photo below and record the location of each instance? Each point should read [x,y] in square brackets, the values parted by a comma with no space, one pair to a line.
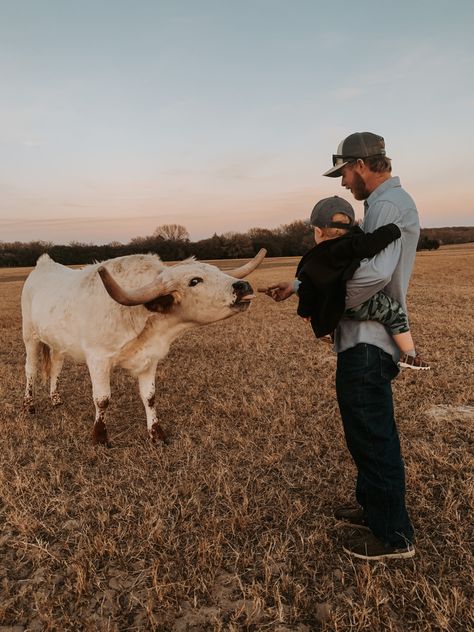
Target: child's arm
[306,298]
[366,245]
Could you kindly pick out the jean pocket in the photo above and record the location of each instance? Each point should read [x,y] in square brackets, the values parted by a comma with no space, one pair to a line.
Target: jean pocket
[388,369]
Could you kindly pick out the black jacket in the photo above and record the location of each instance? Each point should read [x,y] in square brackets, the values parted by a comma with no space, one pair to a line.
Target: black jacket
[324,270]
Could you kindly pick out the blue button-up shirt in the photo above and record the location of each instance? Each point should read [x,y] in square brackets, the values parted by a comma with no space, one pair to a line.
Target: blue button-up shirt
[390,270]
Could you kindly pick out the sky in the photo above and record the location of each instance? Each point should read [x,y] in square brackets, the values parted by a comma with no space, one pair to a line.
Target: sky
[221,115]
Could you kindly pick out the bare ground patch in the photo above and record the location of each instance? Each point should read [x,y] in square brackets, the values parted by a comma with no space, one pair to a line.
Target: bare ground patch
[463,413]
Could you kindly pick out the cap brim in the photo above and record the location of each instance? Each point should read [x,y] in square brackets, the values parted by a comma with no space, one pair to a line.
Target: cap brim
[335,172]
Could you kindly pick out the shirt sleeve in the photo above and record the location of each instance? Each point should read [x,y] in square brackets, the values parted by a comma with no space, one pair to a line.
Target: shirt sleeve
[374,274]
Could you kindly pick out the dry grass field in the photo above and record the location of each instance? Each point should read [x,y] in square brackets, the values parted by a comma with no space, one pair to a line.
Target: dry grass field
[230,526]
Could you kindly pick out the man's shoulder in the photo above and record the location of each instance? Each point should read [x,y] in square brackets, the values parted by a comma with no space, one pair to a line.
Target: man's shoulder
[399,198]
[396,195]
[392,204]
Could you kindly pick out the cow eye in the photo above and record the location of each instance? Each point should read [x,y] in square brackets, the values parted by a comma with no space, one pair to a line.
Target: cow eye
[195,281]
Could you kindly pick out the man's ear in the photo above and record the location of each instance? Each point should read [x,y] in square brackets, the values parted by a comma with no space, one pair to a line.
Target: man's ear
[360,165]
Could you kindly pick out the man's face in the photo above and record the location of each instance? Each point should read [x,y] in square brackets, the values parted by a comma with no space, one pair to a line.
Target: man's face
[353,180]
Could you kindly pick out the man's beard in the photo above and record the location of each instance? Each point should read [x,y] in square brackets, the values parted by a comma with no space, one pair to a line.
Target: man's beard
[359,190]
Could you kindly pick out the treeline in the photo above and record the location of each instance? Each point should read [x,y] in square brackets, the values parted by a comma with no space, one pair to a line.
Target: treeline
[425,243]
[172,243]
[433,238]
[450,235]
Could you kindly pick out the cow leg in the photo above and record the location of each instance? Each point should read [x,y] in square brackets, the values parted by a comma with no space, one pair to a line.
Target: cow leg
[57,360]
[146,385]
[100,377]
[32,346]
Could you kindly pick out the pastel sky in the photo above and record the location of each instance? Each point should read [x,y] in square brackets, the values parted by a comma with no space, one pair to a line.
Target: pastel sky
[117,116]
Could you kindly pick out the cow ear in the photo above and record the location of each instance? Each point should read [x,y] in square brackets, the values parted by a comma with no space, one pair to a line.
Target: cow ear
[163,304]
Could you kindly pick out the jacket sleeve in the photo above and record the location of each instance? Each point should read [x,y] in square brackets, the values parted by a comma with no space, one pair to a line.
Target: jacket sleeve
[366,245]
[306,298]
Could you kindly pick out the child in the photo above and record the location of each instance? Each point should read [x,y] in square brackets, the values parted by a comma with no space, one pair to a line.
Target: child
[324,270]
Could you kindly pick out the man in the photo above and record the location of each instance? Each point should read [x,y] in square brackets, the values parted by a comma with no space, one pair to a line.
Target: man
[367,355]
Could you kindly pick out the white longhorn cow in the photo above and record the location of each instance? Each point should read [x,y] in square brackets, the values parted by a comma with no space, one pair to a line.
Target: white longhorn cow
[122,312]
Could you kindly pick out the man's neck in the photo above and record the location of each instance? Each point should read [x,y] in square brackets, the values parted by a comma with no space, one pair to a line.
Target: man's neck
[376,180]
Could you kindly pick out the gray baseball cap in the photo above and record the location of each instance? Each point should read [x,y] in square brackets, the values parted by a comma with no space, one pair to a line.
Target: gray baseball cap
[324,210]
[358,145]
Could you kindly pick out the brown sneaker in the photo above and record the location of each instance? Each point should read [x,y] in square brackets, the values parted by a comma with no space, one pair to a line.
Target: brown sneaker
[329,339]
[413,362]
[352,516]
[368,547]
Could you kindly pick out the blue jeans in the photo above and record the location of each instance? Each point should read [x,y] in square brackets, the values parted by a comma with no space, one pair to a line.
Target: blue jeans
[364,394]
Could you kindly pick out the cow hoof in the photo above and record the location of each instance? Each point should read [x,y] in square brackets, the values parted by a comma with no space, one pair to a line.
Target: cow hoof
[99,434]
[157,434]
[96,441]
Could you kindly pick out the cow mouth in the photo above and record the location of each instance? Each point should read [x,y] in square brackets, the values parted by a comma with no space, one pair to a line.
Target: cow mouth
[243,302]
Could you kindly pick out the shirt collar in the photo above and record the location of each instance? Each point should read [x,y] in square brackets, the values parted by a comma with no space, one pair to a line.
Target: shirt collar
[391,183]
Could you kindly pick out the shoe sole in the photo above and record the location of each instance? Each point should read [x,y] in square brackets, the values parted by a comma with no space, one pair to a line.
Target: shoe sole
[402,365]
[400,555]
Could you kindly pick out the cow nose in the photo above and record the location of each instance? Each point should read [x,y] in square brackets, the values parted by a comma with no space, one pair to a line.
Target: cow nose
[242,288]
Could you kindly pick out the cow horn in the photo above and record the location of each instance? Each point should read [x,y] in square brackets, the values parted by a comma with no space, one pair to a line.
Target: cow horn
[240,273]
[140,296]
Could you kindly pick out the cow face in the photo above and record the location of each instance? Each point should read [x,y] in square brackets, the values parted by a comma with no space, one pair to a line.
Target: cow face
[197,292]
[202,293]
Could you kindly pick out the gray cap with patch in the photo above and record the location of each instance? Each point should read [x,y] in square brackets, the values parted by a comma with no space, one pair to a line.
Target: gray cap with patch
[324,210]
[358,145]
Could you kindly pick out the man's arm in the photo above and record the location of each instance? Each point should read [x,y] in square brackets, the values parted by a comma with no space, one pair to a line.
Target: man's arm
[373,275]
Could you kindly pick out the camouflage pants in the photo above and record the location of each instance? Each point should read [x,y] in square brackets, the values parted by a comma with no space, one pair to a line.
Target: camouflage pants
[383,309]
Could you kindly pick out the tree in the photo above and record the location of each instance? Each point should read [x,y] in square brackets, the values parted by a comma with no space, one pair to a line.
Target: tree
[296,238]
[172,232]
[237,245]
[425,243]
[266,238]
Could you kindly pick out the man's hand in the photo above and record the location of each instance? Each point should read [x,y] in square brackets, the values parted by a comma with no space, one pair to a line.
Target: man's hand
[279,291]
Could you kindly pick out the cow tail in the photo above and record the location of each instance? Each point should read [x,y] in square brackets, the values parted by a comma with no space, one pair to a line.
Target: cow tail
[45,361]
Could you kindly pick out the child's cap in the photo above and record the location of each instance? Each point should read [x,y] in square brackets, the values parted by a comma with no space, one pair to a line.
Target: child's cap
[324,210]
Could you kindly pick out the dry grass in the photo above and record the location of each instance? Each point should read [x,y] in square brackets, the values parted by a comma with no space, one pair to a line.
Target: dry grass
[230,527]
